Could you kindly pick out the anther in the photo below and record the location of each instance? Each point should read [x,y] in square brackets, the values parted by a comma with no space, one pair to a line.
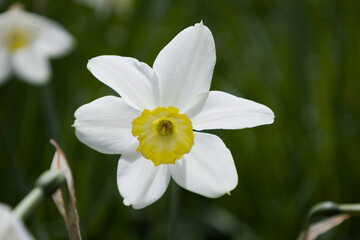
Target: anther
[165,127]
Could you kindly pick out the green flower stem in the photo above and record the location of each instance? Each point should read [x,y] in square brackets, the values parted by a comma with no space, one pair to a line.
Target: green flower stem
[352,209]
[29,203]
[173,211]
[45,186]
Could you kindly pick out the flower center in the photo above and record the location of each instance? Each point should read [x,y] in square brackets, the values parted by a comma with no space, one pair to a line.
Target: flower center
[17,39]
[164,135]
[165,127]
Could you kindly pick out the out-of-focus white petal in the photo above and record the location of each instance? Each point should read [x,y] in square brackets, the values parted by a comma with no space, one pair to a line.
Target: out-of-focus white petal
[132,79]
[53,40]
[12,228]
[5,67]
[185,66]
[140,183]
[30,66]
[208,169]
[105,124]
[10,17]
[225,111]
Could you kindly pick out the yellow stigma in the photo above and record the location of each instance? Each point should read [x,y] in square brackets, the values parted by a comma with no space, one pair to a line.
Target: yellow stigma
[17,39]
[164,135]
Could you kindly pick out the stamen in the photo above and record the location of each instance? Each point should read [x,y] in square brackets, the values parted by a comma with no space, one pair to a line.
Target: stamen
[165,127]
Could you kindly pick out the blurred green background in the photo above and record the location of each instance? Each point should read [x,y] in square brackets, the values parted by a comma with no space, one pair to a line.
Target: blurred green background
[300,58]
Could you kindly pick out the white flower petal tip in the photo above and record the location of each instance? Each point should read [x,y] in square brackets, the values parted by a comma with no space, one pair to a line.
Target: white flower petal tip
[27,41]
[139,182]
[189,56]
[221,110]
[134,81]
[126,202]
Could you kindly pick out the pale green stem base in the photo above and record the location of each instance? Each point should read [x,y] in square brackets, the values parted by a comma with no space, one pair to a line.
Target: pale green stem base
[29,203]
[45,186]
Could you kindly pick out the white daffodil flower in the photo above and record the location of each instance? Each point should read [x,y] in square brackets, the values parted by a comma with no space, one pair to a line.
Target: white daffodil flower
[27,41]
[11,227]
[152,124]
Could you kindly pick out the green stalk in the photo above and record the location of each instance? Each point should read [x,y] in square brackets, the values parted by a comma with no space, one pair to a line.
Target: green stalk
[29,203]
[45,186]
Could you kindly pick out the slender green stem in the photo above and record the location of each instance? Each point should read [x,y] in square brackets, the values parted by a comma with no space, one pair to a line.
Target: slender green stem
[45,186]
[29,203]
[173,211]
[350,208]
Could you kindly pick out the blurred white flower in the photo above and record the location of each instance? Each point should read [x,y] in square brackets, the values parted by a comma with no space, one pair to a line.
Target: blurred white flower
[152,124]
[12,228]
[27,41]
[105,7]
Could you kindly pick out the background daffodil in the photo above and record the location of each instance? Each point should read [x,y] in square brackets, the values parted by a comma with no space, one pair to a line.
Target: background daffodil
[152,123]
[27,41]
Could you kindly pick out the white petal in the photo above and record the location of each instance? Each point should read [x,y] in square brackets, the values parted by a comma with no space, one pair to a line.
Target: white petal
[53,40]
[30,66]
[12,228]
[225,111]
[105,124]
[208,169]
[11,17]
[196,105]
[185,66]
[5,67]
[132,79]
[140,183]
